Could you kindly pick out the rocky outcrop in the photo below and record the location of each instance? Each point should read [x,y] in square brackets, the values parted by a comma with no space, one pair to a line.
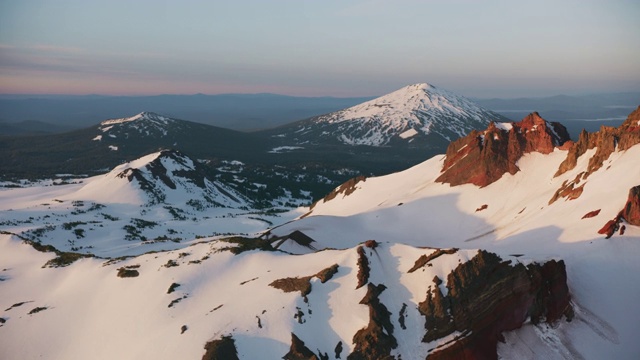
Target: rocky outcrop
[606,141]
[487,296]
[631,210]
[482,157]
[363,268]
[611,227]
[345,189]
[222,349]
[591,214]
[128,271]
[629,213]
[297,237]
[425,259]
[303,284]
[298,351]
[567,190]
[376,341]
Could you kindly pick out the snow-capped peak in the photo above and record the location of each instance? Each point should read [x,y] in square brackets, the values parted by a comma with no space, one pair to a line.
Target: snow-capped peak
[407,114]
[145,115]
[399,106]
[146,123]
[163,177]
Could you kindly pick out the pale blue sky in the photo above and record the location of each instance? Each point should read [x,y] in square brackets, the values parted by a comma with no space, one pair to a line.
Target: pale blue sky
[478,48]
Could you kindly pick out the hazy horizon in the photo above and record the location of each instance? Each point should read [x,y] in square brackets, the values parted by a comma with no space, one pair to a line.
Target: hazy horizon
[514,97]
[488,49]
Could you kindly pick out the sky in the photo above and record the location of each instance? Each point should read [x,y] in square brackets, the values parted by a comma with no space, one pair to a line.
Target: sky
[491,48]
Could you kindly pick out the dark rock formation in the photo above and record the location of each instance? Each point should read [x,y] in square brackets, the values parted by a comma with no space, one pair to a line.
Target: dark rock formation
[606,140]
[371,244]
[376,340]
[629,213]
[298,351]
[37,310]
[346,189]
[487,296]
[172,287]
[326,274]
[610,227]
[128,271]
[338,349]
[631,210]
[568,190]
[481,158]
[222,349]
[363,268]
[591,214]
[425,259]
[303,284]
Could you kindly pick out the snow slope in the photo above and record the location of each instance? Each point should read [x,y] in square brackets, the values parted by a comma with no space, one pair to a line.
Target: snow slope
[161,201]
[84,310]
[409,207]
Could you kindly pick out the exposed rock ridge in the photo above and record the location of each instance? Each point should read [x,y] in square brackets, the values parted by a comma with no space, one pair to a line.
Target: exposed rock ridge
[299,351]
[482,157]
[606,141]
[346,189]
[487,296]
[376,341]
[629,213]
[170,170]
[303,284]
[224,348]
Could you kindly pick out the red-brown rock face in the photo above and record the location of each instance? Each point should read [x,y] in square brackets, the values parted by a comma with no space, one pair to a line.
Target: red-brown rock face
[631,210]
[487,296]
[481,158]
[606,140]
[630,213]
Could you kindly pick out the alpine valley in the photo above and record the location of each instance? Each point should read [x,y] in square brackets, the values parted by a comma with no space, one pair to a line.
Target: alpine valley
[440,230]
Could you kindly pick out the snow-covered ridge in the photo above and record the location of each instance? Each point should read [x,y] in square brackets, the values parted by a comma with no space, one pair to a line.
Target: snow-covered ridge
[145,123]
[145,115]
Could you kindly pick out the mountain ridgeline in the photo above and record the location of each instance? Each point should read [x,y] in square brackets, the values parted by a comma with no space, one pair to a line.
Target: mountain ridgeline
[517,243]
[377,137]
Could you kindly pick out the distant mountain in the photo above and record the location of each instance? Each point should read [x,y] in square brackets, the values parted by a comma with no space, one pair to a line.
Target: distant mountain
[418,116]
[301,168]
[112,142]
[233,111]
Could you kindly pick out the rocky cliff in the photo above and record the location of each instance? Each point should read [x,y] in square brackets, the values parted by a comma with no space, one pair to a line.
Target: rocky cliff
[482,157]
[606,141]
[487,296]
[630,213]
